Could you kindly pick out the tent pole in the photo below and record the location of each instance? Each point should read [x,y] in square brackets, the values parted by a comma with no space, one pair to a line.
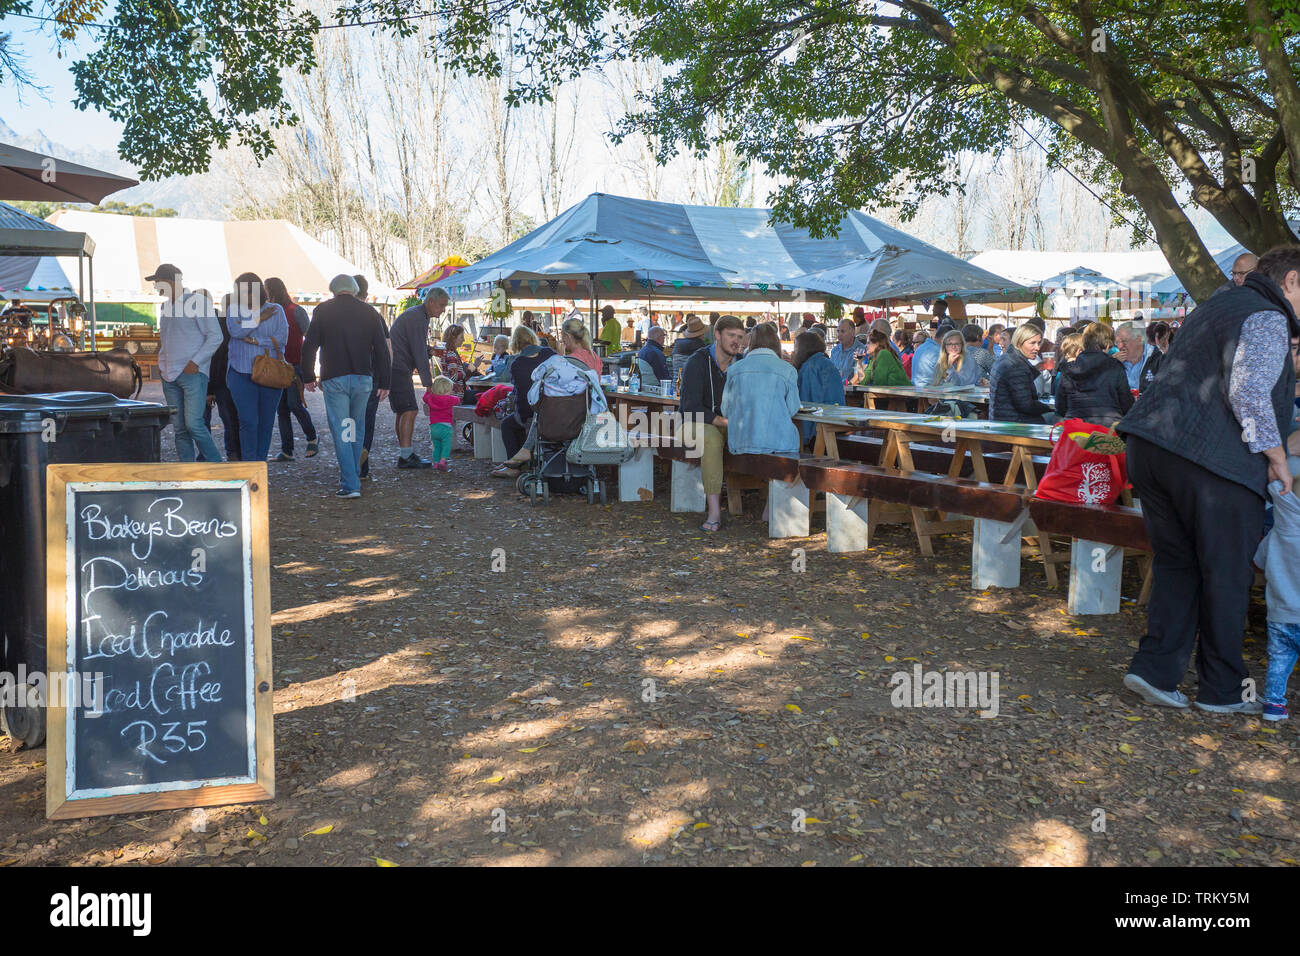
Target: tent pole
[595,331]
[81,295]
[93,334]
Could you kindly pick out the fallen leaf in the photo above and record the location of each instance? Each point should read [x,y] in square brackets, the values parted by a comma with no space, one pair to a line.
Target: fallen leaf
[321,831]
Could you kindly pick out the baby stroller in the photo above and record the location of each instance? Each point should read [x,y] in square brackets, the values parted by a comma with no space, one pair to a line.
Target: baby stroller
[557,421]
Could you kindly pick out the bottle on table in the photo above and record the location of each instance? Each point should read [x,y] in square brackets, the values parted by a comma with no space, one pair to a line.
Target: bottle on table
[634,381]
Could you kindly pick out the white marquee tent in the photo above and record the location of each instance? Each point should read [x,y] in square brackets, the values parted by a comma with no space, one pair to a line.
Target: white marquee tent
[209,253]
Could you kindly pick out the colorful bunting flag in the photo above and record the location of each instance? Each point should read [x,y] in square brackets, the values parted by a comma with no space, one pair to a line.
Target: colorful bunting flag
[677,283]
[608,284]
[533,284]
[572,284]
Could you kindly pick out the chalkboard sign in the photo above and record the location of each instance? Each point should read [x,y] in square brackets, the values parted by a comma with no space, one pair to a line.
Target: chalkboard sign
[159,627]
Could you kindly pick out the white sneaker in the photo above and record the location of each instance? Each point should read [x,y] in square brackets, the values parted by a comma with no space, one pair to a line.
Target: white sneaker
[1153,695]
[1242,707]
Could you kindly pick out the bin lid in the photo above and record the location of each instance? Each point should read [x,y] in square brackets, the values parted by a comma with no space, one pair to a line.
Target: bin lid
[21,413]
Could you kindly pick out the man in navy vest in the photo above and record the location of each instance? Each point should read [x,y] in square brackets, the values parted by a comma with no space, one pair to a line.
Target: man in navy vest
[1209,434]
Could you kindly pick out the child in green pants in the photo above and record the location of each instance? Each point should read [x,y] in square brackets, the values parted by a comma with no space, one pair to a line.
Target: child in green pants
[440,402]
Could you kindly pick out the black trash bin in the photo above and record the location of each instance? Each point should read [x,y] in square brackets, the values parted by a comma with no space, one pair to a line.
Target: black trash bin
[85,427]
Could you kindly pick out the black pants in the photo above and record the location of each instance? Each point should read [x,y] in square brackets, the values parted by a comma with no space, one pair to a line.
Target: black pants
[372,408]
[1203,531]
[225,405]
[513,435]
[291,402]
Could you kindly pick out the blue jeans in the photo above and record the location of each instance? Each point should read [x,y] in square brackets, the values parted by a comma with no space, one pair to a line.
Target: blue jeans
[188,394]
[1283,651]
[256,406]
[345,406]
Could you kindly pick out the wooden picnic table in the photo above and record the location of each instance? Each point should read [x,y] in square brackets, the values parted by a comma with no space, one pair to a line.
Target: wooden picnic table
[895,397]
[967,437]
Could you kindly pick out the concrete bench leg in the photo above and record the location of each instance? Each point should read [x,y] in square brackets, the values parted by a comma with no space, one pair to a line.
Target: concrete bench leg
[848,526]
[687,488]
[636,477]
[482,441]
[498,445]
[787,509]
[1095,571]
[995,553]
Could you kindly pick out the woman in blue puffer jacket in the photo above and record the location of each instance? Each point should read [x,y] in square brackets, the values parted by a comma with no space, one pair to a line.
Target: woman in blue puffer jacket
[819,379]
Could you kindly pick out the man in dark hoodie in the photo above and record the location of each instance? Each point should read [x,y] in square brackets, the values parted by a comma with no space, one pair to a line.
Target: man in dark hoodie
[1209,434]
[1092,385]
[703,380]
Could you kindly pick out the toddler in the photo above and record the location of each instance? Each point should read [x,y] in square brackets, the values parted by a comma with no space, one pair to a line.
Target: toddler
[440,401]
[1279,558]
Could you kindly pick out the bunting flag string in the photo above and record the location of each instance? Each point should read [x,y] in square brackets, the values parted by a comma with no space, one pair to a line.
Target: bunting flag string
[608,284]
[533,284]
[552,284]
[572,284]
[626,284]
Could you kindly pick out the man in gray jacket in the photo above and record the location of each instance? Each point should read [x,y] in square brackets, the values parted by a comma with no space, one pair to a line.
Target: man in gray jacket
[188,334]
[409,337]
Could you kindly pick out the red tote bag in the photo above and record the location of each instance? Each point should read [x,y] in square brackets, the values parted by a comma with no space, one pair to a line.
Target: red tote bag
[1079,476]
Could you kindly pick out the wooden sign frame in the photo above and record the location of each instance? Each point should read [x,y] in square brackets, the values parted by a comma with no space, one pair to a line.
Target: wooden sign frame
[252,477]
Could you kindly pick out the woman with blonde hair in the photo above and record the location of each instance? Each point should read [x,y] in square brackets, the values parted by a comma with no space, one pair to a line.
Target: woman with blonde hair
[576,343]
[1012,396]
[954,367]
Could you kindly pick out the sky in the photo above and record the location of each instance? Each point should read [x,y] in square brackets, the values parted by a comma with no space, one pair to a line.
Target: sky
[51,110]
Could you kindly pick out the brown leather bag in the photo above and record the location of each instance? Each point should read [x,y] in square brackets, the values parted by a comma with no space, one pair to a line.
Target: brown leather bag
[29,372]
[273,371]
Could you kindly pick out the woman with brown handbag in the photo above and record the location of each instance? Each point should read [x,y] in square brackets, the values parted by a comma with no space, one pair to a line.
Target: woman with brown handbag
[257,373]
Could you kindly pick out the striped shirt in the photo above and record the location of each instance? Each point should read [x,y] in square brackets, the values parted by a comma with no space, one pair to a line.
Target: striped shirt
[273,331]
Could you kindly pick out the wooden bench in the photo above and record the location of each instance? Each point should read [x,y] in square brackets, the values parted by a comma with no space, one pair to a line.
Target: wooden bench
[1099,537]
[789,504]
[855,493]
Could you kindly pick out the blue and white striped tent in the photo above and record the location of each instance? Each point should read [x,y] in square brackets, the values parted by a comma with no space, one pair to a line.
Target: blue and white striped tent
[635,247]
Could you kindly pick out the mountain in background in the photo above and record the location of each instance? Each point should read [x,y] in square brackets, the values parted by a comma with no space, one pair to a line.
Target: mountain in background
[203,196]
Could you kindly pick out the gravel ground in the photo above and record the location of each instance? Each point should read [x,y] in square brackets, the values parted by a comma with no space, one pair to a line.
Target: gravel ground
[462,678]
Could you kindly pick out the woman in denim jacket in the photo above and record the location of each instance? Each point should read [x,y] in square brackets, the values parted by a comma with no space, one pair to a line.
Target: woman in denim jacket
[761,398]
